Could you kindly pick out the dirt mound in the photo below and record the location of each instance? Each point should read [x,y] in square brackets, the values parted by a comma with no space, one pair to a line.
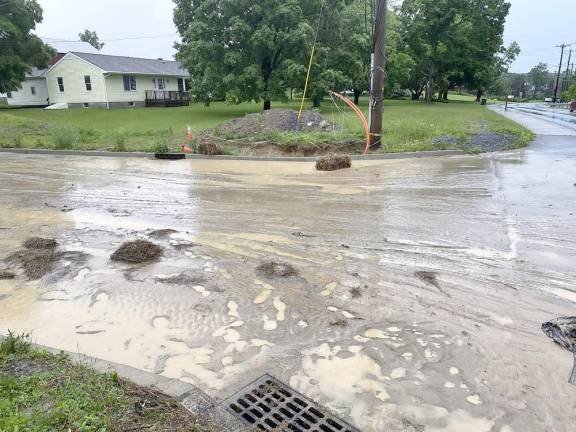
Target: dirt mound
[272,269]
[136,252]
[35,263]
[210,149]
[333,162]
[40,243]
[279,120]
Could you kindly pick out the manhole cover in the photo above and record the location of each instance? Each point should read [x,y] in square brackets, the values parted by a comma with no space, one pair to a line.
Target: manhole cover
[271,405]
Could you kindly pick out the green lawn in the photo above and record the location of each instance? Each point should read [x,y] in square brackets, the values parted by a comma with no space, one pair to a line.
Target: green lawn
[41,392]
[408,125]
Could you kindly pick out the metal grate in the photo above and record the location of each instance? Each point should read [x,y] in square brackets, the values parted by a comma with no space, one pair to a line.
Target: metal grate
[270,405]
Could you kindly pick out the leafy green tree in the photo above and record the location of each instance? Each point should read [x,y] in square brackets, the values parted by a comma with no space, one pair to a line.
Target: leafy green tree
[92,38]
[540,76]
[20,50]
[242,49]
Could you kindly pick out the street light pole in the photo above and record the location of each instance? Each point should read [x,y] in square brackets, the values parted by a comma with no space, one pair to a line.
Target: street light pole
[377,84]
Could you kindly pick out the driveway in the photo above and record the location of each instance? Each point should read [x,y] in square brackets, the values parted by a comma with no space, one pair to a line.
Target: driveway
[421,288]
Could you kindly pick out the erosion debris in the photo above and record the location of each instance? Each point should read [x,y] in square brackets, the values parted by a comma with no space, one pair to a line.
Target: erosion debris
[162,233]
[339,323]
[6,275]
[35,263]
[355,292]
[431,279]
[333,162]
[40,243]
[184,279]
[137,252]
[210,149]
[275,120]
[563,332]
[271,269]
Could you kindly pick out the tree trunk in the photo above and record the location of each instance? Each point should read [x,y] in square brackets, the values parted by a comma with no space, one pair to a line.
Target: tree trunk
[267,105]
[445,95]
[429,91]
[479,95]
[357,94]
[316,102]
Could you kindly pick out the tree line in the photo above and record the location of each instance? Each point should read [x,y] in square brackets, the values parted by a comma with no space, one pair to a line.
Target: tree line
[246,50]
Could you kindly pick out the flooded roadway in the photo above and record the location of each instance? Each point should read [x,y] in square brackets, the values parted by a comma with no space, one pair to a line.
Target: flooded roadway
[356,330]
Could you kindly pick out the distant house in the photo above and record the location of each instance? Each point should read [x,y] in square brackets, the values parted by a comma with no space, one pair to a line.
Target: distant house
[80,79]
[33,91]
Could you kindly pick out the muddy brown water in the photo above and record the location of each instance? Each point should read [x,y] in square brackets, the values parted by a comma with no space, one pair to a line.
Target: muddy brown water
[463,354]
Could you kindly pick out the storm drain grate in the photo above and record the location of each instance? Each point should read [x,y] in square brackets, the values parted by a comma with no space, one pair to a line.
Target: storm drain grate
[270,405]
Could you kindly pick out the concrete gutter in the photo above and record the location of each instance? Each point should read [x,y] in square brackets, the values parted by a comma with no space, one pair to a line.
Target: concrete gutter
[384,156]
[202,406]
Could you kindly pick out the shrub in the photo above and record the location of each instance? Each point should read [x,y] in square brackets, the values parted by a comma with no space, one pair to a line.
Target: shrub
[65,137]
[160,148]
[119,137]
[210,149]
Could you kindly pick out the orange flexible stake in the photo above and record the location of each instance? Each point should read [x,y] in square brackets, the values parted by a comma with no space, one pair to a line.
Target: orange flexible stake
[360,115]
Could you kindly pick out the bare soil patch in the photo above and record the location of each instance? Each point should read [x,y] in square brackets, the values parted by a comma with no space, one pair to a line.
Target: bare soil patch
[272,269]
[210,149]
[278,120]
[333,162]
[137,252]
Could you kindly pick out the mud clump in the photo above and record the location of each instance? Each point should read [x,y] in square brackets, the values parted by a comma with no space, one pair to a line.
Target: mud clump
[275,120]
[272,269]
[333,162]
[40,243]
[137,252]
[428,277]
[181,279]
[162,233]
[6,275]
[35,263]
[210,149]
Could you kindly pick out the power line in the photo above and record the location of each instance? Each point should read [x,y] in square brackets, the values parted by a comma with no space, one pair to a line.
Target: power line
[116,39]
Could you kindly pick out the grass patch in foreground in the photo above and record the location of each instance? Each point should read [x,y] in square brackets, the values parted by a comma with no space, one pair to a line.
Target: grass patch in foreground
[408,126]
[42,392]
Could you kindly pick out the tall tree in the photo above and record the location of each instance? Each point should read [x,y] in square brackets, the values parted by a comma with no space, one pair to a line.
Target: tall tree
[540,76]
[242,49]
[20,50]
[92,38]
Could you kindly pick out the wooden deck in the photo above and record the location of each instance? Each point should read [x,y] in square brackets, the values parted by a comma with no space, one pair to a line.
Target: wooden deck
[166,98]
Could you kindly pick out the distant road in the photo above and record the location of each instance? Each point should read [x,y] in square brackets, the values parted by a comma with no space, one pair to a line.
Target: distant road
[540,118]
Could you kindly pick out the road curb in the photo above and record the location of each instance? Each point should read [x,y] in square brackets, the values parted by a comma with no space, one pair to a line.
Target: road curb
[189,396]
[385,156]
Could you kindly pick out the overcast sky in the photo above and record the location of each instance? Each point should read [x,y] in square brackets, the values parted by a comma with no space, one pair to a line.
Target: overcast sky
[535,24]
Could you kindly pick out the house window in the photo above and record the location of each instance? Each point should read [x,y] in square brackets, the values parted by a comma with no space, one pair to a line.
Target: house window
[86,105]
[160,84]
[131,104]
[33,90]
[129,82]
[181,84]
[60,84]
[9,95]
[88,82]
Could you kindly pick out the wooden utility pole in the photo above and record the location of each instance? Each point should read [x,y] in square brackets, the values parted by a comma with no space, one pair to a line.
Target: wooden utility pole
[563,46]
[567,76]
[378,68]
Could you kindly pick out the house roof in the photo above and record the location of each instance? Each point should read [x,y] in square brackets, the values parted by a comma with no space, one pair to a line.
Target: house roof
[35,73]
[134,65]
[64,47]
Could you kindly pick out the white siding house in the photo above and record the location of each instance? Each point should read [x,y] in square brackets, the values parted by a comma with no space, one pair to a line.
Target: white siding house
[94,80]
[32,92]
[103,81]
